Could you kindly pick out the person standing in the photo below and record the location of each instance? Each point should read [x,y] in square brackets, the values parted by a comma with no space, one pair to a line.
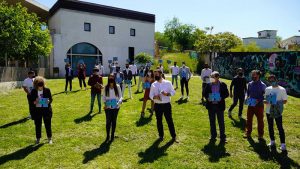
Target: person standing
[112,98]
[28,86]
[81,75]
[160,92]
[119,77]
[147,84]
[255,94]
[185,75]
[175,72]
[134,71]
[141,79]
[161,68]
[274,110]
[41,97]
[215,94]
[239,84]
[127,80]
[205,74]
[101,69]
[69,76]
[96,83]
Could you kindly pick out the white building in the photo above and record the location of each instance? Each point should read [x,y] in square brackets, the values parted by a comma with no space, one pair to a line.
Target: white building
[266,39]
[290,42]
[93,33]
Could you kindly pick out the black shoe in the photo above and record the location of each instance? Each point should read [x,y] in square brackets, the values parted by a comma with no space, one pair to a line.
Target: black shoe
[212,139]
[107,139]
[223,141]
[161,139]
[174,140]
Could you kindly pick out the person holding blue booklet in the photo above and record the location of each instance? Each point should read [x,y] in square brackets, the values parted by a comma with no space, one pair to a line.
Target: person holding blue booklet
[185,75]
[112,98]
[141,78]
[215,94]
[96,83]
[41,97]
[127,80]
[119,77]
[275,98]
[149,79]
[255,97]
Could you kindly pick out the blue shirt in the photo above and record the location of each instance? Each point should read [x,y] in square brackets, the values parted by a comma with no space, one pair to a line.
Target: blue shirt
[256,90]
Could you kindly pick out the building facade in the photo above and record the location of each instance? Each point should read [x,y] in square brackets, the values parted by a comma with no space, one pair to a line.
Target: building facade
[266,39]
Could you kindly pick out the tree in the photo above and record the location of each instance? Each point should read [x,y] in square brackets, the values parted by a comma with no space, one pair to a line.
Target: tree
[251,47]
[162,40]
[180,34]
[21,34]
[143,58]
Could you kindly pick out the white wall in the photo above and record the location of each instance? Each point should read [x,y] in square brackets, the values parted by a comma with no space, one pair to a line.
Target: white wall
[263,43]
[69,25]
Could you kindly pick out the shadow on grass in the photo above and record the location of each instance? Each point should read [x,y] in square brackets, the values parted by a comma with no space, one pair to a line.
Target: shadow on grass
[267,154]
[90,155]
[87,117]
[154,152]
[20,154]
[241,124]
[138,92]
[143,121]
[215,152]
[181,101]
[14,123]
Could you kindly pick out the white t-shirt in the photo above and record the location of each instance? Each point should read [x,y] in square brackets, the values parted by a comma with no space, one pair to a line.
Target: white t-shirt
[280,93]
[206,73]
[28,83]
[157,88]
[175,70]
[133,68]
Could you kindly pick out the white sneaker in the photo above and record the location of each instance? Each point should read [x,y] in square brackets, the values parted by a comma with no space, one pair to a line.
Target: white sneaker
[181,97]
[50,141]
[187,97]
[29,117]
[271,144]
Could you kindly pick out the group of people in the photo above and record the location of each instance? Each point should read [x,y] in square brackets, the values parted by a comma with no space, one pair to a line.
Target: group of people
[255,94]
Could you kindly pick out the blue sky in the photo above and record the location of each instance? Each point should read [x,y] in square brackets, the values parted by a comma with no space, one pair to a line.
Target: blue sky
[241,17]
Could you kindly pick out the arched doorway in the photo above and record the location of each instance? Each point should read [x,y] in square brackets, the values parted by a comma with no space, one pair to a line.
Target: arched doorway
[85,53]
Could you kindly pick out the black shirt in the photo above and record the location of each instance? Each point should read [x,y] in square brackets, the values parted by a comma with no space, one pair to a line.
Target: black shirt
[239,84]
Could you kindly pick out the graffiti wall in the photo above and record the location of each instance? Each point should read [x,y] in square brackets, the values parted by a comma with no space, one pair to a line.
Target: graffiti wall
[285,65]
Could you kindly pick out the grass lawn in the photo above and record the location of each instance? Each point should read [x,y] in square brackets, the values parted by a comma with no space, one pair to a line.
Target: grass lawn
[78,136]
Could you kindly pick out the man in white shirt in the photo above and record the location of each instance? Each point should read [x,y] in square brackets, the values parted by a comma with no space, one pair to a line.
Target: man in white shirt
[175,72]
[205,74]
[28,86]
[134,71]
[185,76]
[160,92]
[101,69]
[275,98]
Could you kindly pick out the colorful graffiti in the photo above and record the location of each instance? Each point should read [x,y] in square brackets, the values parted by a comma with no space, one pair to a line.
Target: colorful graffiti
[285,65]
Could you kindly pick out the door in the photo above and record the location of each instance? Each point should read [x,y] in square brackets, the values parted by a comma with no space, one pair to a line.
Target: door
[131,54]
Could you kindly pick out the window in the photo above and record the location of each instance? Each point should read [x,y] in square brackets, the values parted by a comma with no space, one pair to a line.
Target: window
[132,32]
[111,30]
[87,27]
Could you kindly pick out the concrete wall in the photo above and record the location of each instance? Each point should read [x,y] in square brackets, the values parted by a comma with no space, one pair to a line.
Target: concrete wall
[69,30]
[8,74]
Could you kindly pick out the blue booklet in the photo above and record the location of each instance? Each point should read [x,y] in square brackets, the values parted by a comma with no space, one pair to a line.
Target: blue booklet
[169,62]
[147,85]
[111,103]
[272,99]
[119,80]
[43,102]
[251,102]
[109,61]
[160,61]
[214,97]
[183,74]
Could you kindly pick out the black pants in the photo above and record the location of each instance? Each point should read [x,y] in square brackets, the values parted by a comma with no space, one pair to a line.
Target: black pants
[184,82]
[166,110]
[68,80]
[111,121]
[31,106]
[39,116]
[80,82]
[203,90]
[278,121]
[212,113]
[236,99]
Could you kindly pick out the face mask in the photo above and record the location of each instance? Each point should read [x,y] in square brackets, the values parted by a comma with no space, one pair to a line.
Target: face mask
[240,73]
[127,67]
[274,84]
[212,80]
[254,78]
[110,80]
[157,78]
[40,84]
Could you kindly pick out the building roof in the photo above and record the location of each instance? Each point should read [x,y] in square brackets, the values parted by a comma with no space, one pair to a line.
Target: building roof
[101,9]
[33,7]
[266,30]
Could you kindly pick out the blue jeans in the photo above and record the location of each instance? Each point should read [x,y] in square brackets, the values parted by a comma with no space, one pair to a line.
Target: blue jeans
[175,77]
[93,95]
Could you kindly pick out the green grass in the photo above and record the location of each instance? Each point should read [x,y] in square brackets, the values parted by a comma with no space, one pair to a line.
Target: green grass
[179,58]
[78,137]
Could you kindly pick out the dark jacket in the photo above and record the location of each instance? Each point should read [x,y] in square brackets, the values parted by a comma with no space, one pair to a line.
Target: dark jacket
[239,85]
[46,94]
[93,80]
[223,93]
[127,76]
[67,73]
[81,72]
[121,76]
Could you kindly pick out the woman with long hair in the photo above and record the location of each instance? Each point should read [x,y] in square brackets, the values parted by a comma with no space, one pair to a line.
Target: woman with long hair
[112,97]
[149,79]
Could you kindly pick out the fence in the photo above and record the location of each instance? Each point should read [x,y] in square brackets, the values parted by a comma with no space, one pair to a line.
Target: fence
[285,65]
[8,74]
